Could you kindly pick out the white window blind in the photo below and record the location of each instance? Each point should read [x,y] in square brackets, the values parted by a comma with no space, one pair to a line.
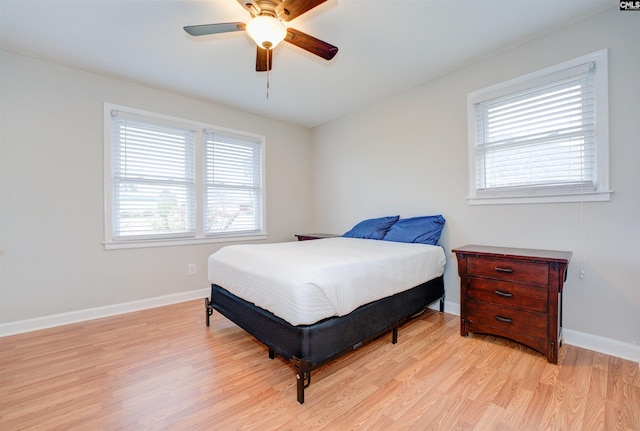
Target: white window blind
[153,179]
[539,137]
[233,183]
[171,181]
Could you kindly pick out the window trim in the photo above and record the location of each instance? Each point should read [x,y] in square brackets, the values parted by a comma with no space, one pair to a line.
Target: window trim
[559,194]
[199,238]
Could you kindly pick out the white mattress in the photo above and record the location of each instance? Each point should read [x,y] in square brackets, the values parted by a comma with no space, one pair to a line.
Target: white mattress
[306,281]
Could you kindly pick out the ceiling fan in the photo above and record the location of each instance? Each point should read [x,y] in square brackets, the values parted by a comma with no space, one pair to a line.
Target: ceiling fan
[267,29]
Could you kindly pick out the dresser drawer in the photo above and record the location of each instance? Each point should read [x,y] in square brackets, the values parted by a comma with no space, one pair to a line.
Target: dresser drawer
[536,273]
[536,343]
[509,294]
[528,323]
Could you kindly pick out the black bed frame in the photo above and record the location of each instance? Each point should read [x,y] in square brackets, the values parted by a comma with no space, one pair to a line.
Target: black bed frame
[310,346]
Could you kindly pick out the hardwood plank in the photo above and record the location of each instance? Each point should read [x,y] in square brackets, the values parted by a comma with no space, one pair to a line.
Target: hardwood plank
[163,369]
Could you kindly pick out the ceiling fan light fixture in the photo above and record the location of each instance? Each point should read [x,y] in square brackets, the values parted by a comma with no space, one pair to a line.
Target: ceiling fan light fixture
[266,31]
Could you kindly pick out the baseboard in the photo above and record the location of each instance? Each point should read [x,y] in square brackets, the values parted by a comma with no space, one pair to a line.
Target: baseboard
[601,344]
[596,343]
[28,325]
[449,307]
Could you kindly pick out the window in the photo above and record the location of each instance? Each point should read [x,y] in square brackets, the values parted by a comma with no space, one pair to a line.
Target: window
[233,184]
[542,137]
[170,181]
[153,180]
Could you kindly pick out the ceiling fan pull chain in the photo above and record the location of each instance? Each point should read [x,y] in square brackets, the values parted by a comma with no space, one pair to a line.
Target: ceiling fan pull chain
[268,70]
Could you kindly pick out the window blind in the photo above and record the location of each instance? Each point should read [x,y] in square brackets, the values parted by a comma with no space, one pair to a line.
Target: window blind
[233,183]
[541,139]
[153,179]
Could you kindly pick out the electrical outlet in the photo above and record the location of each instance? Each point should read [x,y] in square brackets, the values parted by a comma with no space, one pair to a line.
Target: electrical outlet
[193,269]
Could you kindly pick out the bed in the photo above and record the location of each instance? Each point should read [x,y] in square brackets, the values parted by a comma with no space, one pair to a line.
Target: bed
[312,301]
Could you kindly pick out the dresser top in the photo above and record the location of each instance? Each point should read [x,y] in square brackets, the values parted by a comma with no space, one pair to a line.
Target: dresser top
[487,250]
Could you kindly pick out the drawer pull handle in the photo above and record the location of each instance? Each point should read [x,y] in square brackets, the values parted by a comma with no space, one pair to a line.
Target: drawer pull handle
[505,294]
[509,270]
[504,319]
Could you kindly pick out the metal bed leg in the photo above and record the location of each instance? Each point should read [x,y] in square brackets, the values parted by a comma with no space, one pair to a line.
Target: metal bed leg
[442,304]
[272,354]
[303,376]
[394,335]
[208,310]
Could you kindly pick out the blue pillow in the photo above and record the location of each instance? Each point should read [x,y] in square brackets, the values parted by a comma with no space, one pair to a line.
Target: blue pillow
[424,230]
[374,228]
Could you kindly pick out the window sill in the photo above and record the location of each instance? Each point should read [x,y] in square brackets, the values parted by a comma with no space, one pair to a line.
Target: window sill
[117,245]
[538,199]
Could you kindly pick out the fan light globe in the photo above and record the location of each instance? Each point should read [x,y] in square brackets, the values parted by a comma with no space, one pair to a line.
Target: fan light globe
[266,31]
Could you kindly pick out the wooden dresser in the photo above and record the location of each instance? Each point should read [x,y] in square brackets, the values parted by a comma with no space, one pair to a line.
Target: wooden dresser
[513,293]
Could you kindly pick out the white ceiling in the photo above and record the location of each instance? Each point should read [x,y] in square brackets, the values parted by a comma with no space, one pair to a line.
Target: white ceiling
[386,46]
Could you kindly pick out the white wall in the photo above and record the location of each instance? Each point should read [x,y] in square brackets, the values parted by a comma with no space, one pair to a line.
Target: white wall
[408,156]
[51,185]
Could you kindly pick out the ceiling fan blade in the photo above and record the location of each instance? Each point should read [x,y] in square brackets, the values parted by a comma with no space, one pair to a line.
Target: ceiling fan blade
[290,9]
[204,29]
[311,44]
[264,58]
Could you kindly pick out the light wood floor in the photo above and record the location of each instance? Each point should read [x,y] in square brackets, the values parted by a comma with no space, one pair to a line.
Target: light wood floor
[163,369]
